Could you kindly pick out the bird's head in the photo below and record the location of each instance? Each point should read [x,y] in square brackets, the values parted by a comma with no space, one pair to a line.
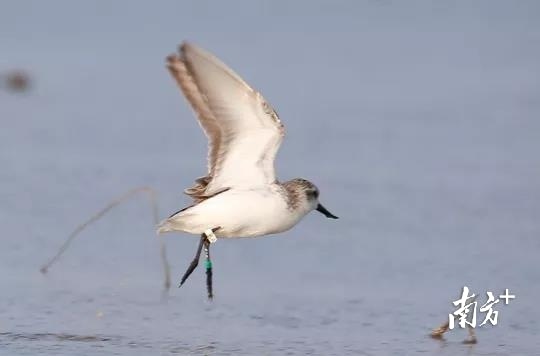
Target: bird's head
[308,194]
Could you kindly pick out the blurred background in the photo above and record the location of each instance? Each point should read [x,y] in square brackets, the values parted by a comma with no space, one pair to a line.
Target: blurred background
[419,122]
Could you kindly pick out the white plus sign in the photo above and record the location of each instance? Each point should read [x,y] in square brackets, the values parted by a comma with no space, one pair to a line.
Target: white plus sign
[507,296]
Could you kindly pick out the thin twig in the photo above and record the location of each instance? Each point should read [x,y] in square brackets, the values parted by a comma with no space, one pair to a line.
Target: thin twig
[153,201]
[438,332]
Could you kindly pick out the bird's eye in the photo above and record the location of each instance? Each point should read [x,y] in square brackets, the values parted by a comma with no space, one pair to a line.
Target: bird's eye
[313,193]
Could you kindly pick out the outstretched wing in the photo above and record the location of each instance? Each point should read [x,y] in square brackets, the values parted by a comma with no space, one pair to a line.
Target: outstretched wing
[244,132]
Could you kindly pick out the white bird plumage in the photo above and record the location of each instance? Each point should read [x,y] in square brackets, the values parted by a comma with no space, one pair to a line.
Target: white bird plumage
[240,196]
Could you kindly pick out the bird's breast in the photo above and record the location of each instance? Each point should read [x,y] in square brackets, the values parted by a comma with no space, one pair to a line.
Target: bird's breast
[254,213]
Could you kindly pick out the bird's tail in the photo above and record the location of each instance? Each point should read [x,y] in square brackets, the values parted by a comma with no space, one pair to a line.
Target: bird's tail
[165,226]
[177,222]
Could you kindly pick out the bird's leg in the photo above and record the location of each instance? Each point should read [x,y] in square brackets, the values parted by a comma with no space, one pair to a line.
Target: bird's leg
[210,239]
[208,265]
[195,261]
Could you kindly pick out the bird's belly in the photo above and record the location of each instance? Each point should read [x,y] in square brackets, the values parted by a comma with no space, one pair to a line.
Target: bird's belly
[241,214]
[256,222]
[252,220]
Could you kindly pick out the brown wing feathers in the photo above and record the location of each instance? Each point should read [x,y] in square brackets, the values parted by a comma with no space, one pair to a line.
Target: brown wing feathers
[179,69]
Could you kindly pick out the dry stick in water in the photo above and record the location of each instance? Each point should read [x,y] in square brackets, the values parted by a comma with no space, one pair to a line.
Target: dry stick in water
[438,332]
[153,200]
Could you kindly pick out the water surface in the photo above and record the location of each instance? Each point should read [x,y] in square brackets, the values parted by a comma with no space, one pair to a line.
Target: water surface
[419,123]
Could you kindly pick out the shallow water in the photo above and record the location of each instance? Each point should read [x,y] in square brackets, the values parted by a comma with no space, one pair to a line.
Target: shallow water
[419,125]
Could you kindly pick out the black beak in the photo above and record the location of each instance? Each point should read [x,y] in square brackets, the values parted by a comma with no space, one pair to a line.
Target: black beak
[326,213]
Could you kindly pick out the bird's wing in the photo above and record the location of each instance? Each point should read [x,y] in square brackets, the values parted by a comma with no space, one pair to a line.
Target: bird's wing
[243,130]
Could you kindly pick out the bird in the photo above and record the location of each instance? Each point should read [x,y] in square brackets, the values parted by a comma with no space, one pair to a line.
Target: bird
[240,196]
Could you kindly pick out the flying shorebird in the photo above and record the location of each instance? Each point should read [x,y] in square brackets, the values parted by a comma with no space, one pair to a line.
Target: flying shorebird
[240,196]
